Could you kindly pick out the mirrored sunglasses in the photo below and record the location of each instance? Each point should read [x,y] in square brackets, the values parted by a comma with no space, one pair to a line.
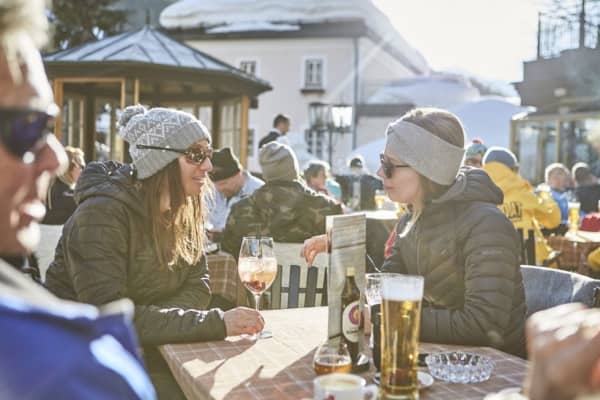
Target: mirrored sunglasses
[192,155]
[22,130]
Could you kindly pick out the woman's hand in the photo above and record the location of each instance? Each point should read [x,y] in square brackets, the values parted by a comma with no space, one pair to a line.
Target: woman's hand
[243,320]
[312,247]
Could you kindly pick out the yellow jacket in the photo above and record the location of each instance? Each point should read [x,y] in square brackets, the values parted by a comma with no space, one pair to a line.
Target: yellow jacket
[524,208]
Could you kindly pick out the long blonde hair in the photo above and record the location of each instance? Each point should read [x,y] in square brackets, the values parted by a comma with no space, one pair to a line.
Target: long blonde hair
[178,234]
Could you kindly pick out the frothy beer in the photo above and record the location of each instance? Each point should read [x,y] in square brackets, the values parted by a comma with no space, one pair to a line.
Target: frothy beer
[401,316]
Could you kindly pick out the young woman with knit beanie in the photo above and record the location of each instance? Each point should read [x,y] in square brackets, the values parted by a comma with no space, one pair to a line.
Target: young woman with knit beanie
[454,235]
[137,233]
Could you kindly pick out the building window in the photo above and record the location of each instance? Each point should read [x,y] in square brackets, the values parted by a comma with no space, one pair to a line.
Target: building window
[313,73]
[248,66]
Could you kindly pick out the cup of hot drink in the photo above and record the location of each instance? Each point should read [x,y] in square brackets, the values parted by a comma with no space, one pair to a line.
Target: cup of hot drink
[343,387]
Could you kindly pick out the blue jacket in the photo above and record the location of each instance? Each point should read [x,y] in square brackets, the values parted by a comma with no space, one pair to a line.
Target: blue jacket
[55,349]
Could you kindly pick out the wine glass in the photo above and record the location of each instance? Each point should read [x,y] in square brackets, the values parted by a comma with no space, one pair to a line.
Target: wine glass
[332,357]
[257,268]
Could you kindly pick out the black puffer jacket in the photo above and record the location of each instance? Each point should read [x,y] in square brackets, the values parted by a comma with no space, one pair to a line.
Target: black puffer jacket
[468,252]
[106,253]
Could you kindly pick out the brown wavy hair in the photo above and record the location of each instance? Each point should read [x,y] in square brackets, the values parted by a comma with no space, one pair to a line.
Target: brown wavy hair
[177,235]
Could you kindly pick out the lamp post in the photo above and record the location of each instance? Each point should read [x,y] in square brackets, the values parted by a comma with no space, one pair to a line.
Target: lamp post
[336,117]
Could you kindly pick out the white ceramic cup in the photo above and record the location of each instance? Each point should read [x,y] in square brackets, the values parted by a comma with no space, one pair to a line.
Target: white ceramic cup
[343,387]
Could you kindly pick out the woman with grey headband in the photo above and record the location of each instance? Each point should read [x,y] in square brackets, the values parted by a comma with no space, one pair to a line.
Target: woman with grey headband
[454,235]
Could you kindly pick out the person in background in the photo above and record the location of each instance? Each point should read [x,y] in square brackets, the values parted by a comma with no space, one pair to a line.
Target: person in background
[281,126]
[474,153]
[557,179]
[138,233]
[587,188]
[563,343]
[284,208]
[60,203]
[358,188]
[316,175]
[521,205]
[232,183]
[51,349]
[454,235]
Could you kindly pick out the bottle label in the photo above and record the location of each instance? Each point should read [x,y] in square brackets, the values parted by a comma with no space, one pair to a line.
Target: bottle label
[351,321]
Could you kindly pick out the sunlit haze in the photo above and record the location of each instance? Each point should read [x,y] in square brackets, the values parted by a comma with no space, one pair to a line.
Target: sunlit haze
[490,38]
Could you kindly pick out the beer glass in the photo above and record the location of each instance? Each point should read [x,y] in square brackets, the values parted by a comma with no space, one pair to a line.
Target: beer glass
[332,357]
[401,316]
[379,199]
[574,207]
[257,268]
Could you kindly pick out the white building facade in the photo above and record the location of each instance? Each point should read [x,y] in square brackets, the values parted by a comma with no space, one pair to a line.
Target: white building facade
[332,51]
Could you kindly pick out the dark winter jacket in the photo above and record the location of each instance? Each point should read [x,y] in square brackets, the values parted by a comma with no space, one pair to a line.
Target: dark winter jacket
[468,252]
[106,253]
[288,211]
[588,196]
[60,204]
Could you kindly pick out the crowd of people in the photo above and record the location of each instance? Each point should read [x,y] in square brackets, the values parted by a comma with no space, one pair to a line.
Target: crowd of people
[130,269]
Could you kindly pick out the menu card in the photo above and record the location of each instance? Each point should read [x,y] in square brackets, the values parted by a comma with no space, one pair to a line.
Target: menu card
[347,248]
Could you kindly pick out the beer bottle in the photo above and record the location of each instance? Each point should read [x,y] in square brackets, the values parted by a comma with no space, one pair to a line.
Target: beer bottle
[351,315]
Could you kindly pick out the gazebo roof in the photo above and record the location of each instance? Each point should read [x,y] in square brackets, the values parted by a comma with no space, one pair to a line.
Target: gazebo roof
[149,53]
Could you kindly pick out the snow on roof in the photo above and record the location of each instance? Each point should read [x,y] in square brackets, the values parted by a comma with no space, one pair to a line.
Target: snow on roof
[253,26]
[268,15]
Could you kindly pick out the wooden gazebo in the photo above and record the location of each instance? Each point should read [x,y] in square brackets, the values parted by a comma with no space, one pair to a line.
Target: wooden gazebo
[148,67]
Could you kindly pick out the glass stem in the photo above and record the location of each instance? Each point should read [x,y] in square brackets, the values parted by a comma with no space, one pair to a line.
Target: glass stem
[256,301]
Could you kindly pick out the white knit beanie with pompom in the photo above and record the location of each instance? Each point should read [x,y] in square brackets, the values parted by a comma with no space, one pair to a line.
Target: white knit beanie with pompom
[163,127]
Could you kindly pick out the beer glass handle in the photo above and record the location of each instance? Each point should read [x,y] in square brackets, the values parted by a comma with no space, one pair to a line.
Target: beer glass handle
[370,392]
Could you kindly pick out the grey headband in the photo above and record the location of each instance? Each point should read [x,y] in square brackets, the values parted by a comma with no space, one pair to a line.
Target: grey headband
[432,157]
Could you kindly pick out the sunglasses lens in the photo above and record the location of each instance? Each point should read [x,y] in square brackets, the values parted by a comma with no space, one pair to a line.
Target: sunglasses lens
[20,132]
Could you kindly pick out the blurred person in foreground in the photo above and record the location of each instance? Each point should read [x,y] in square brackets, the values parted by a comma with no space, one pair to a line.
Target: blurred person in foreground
[587,188]
[454,235]
[521,205]
[232,183]
[474,153]
[51,349]
[284,208]
[564,351]
[138,232]
[60,203]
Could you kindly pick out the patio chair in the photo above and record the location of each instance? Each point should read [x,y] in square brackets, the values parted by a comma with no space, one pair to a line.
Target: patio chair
[548,287]
[292,292]
[527,247]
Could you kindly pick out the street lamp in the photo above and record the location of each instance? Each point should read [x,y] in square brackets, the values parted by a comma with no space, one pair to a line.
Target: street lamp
[331,118]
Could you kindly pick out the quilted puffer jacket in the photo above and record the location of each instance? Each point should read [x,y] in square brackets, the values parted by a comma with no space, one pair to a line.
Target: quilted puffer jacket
[106,253]
[468,252]
[288,211]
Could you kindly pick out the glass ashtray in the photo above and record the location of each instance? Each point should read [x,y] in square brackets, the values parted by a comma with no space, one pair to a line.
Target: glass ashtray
[460,367]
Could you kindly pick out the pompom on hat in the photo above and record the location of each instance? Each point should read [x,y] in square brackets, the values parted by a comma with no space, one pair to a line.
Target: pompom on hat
[163,127]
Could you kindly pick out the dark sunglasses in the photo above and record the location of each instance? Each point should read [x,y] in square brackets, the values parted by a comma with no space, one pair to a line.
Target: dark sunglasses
[22,130]
[193,156]
[388,167]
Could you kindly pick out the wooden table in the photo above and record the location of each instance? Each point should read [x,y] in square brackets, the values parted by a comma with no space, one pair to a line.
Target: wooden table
[281,367]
